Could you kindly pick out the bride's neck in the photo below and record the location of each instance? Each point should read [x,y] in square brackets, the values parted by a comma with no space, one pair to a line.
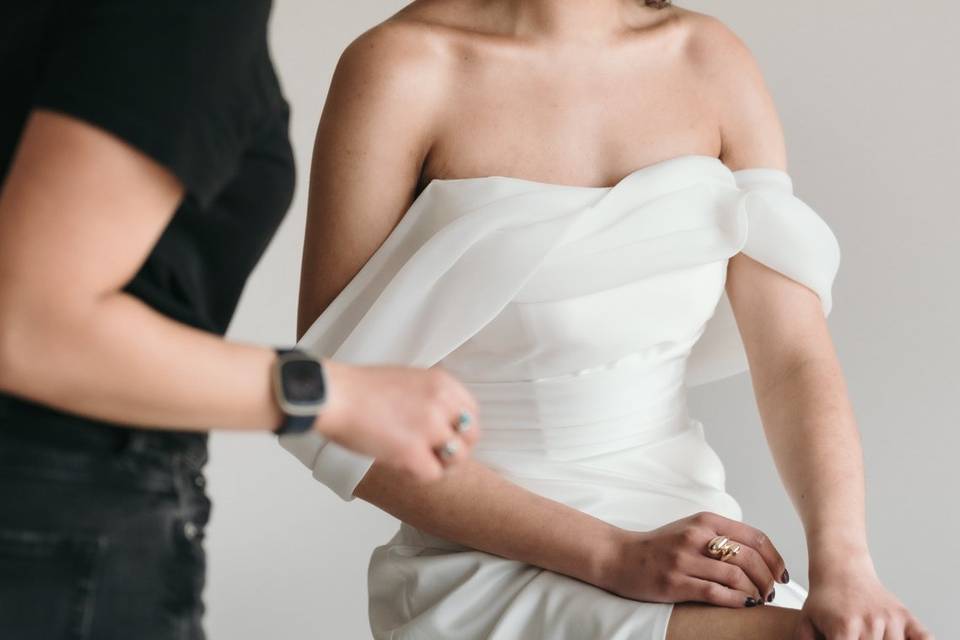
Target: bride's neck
[573,19]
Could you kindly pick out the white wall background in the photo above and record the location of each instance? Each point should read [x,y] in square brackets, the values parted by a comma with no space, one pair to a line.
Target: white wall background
[869,96]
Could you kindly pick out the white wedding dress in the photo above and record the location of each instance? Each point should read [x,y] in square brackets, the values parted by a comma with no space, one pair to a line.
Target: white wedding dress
[578,317]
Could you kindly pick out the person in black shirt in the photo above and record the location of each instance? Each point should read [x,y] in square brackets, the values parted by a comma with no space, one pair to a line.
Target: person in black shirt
[145,165]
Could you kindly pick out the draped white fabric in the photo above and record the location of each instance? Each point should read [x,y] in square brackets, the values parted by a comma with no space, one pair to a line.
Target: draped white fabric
[464,248]
[578,317]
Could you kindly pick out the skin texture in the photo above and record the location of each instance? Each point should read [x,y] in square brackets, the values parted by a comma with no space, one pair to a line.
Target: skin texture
[79,212]
[467,88]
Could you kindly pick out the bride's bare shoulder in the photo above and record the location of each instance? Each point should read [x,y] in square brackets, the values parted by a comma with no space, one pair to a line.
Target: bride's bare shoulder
[410,58]
[425,36]
[396,75]
[727,72]
[706,41]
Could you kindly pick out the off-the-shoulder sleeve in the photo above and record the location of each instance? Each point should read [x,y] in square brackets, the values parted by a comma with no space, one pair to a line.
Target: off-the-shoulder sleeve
[785,234]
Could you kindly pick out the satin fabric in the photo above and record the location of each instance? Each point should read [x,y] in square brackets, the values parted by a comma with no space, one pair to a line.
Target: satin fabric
[578,317]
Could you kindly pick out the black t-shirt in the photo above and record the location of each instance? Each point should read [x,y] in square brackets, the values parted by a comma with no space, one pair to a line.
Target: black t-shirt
[190,83]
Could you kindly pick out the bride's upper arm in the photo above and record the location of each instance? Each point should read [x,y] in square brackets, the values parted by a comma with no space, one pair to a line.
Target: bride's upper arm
[778,318]
[373,136]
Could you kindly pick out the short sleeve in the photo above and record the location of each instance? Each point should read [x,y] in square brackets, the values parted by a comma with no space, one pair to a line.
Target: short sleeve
[183,81]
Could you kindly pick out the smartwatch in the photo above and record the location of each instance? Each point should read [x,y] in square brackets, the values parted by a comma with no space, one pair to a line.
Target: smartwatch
[300,388]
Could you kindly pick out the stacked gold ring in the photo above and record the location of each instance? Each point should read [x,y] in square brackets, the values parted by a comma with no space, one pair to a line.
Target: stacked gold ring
[722,548]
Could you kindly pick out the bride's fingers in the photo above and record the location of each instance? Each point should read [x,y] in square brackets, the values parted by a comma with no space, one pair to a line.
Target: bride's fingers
[754,538]
[725,574]
[752,564]
[709,592]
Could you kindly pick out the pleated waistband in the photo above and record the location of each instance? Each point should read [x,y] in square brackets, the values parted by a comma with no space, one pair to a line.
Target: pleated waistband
[625,404]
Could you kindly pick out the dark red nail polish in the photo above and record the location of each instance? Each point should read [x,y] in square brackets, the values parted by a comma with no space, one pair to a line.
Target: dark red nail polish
[750,602]
[773,594]
[785,578]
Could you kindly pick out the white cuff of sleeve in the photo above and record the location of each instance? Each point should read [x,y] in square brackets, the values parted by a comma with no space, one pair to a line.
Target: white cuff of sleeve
[337,467]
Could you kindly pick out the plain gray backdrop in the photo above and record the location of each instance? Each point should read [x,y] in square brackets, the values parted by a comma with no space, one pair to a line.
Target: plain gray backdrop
[868,92]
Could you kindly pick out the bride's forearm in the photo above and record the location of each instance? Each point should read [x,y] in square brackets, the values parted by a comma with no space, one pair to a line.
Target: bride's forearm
[476,507]
[813,435]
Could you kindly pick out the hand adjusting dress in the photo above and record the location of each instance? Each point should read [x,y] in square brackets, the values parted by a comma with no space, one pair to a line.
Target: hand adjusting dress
[578,316]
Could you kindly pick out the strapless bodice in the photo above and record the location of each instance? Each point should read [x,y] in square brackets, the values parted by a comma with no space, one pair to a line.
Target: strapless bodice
[581,374]
[578,317]
[659,316]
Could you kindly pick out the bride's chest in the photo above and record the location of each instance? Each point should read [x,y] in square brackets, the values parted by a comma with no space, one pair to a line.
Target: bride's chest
[588,130]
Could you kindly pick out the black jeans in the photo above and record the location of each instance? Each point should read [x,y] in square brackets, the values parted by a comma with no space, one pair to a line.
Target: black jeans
[103,544]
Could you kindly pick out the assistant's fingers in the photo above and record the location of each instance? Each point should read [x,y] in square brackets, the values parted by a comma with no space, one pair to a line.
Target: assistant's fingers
[466,424]
[451,451]
[756,539]
[421,464]
[709,592]
[439,441]
[461,406]
[463,417]
[728,575]
[460,425]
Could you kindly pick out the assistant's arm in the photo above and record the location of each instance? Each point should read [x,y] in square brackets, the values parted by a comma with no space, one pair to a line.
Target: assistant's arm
[79,212]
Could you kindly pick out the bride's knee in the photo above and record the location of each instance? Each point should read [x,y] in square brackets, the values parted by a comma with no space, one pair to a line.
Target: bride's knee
[694,622]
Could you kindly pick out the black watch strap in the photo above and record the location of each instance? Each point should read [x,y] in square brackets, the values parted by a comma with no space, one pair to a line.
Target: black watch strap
[295,424]
[299,413]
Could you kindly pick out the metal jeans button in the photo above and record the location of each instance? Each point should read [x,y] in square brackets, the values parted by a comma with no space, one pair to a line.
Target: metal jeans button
[190,530]
[200,481]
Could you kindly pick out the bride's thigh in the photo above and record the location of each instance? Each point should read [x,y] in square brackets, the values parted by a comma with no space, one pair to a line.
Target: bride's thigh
[694,622]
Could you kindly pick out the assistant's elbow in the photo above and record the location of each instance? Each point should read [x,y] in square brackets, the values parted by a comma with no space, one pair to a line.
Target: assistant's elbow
[8,357]
[10,351]
[21,346]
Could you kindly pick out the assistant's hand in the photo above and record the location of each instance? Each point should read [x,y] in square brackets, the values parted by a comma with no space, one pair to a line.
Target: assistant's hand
[400,416]
[670,564]
[848,602]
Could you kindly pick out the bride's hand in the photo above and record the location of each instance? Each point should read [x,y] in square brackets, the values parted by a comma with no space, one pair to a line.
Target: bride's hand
[400,416]
[848,602]
[670,564]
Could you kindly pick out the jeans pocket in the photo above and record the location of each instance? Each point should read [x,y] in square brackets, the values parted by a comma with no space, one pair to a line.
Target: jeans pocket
[47,584]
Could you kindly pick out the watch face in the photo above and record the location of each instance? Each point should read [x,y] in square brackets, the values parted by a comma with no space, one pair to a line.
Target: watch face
[302,382]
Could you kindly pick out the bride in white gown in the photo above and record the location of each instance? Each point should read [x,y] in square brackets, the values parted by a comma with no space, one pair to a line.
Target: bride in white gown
[578,316]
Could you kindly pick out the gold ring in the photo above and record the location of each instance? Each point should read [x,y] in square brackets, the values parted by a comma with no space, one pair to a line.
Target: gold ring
[722,548]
